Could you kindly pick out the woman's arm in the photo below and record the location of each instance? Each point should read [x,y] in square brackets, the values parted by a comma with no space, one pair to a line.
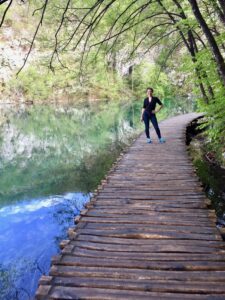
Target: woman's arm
[142,112]
[158,109]
[160,106]
[143,109]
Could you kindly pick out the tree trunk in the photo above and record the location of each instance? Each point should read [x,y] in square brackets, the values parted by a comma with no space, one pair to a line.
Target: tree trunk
[212,42]
[222,4]
[220,13]
[190,44]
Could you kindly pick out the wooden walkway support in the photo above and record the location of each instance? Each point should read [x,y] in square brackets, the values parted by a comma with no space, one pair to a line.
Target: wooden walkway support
[147,232]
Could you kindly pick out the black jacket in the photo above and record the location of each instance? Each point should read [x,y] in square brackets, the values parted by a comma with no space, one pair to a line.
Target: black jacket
[151,106]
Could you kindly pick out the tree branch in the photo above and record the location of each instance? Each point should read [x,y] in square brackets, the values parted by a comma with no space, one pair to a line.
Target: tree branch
[162,37]
[5,11]
[56,35]
[150,30]
[126,29]
[34,37]
[97,3]
[2,1]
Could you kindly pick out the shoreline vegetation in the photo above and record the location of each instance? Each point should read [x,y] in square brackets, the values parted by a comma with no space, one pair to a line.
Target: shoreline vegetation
[209,169]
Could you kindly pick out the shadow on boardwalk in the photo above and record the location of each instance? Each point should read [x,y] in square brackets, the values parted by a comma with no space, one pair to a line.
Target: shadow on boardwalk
[146,234]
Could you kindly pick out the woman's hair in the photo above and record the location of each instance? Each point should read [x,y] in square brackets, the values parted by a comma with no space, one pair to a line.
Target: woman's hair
[149,88]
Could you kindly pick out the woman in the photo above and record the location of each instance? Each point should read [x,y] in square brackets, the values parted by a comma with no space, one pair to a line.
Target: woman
[148,114]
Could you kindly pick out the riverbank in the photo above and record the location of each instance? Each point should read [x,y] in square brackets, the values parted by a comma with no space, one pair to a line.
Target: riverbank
[208,168]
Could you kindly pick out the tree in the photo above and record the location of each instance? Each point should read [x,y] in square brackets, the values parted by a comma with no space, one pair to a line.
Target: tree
[211,40]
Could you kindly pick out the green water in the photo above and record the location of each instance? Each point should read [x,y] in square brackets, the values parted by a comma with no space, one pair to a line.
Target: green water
[47,149]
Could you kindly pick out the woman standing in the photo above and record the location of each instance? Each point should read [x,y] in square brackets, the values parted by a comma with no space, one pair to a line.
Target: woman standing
[148,114]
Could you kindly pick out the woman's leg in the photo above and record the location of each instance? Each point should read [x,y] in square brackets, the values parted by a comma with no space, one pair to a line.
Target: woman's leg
[155,124]
[146,121]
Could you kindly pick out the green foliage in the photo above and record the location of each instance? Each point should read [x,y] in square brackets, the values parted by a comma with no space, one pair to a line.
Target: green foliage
[215,110]
[215,106]
[33,84]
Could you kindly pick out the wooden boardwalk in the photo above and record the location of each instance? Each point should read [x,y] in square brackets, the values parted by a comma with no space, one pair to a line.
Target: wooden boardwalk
[147,232]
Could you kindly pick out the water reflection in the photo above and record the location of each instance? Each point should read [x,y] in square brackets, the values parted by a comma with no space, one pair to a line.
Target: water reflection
[42,140]
[51,159]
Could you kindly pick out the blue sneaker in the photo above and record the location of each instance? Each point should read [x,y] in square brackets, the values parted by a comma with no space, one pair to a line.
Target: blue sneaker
[162,140]
[149,141]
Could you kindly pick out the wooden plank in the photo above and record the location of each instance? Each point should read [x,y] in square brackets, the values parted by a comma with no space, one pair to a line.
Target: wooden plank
[149,242]
[155,200]
[59,292]
[154,227]
[147,248]
[145,285]
[147,256]
[70,260]
[166,213]
[155,220]
[154,234]
[135,274]
[152,188]
[155,196]
[144,194]
[160,205]
[152,208]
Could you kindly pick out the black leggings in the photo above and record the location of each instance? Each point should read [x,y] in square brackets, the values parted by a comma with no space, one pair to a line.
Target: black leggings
[152,118]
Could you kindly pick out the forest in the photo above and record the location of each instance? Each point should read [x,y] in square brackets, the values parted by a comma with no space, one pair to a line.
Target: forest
[73,78]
